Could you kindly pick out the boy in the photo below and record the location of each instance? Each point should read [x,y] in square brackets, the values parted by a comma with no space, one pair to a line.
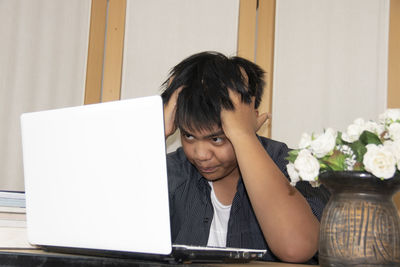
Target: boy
[228,186]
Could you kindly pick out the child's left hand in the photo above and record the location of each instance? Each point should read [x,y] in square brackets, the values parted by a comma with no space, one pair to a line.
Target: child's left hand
[243,120]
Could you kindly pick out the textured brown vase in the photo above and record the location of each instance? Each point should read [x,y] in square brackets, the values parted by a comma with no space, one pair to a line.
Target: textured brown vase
[360,225]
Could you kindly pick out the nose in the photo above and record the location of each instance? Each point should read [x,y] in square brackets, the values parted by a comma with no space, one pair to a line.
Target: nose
[202,152]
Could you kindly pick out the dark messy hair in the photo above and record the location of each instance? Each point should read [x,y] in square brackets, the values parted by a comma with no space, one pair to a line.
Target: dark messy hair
[206,78]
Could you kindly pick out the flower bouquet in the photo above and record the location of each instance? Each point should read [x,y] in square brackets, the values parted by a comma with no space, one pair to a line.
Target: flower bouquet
[368,146]
[360,225]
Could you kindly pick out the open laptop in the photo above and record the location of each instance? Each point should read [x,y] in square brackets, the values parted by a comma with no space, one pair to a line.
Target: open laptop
[96,183]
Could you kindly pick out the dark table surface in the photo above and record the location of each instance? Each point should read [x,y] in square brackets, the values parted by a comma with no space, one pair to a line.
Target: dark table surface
[36,257]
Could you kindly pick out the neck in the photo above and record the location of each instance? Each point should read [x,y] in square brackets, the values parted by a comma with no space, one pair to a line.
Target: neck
[225,189]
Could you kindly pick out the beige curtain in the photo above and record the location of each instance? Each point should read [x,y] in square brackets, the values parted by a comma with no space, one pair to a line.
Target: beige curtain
[159,34]
[43,52]
[330,64]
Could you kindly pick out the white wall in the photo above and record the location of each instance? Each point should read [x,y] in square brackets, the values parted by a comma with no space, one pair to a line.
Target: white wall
[159,34]
[43,52]
[330,59]
[330,64]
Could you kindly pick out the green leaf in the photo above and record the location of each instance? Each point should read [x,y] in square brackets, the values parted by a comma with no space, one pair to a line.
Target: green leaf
[324,167]
[312,136]
[336,161]
[368,137]
[292,155]
[339,140]
[358,167]
[359,150]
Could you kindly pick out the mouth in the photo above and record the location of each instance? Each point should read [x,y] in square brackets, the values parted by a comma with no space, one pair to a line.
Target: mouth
[207,169]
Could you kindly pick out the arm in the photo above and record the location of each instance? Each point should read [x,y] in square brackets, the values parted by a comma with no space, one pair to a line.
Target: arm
[288,224]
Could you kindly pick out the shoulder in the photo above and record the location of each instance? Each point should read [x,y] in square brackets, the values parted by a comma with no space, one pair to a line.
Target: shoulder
[274,148]
[317,197]
[179,169]
[278,152]
[177,157]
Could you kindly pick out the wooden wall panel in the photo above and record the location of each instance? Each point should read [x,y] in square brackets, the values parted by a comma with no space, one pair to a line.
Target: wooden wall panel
[265,54]
[94,72]
[114,50]
[105,51]
[256,43]
[393,95]
[393,98]
[247,29]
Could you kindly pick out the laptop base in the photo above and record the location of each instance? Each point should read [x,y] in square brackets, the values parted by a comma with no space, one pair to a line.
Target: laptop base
[179,255]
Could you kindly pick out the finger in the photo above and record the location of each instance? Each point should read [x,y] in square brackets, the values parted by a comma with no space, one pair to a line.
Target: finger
[170,111]
[176,93]
[174,97]
[253,101]
[261,119]
[170,106]
[234,96]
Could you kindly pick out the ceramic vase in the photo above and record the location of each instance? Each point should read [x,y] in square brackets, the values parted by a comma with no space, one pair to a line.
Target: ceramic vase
[360,225]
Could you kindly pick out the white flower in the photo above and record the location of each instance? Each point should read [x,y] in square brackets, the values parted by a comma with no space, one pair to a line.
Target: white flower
[394,147]
[306,165]
[351,159]
[324,143]
[379,161]
[394,131]
[305,141]
[315,183]
[293,174]
[374,127]
[354,131]
[389,116]
[359,121]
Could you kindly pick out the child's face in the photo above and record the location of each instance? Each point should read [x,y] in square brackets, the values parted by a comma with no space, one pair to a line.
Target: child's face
[211,153]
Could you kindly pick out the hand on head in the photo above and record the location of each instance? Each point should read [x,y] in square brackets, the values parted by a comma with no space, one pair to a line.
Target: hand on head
[244,119]
[206,76]
[169,113]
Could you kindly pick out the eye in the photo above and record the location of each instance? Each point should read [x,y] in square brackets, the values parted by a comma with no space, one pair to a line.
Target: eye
[217,140]
[188,136]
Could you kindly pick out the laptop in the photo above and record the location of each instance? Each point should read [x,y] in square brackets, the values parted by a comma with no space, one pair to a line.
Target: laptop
[96,183]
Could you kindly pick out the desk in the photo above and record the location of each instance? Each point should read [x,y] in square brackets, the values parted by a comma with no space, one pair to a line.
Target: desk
[49,259]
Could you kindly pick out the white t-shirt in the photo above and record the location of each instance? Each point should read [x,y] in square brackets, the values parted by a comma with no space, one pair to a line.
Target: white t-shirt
[219,224]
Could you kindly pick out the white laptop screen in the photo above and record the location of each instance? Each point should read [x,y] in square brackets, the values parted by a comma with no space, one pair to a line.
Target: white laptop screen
[95,176]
